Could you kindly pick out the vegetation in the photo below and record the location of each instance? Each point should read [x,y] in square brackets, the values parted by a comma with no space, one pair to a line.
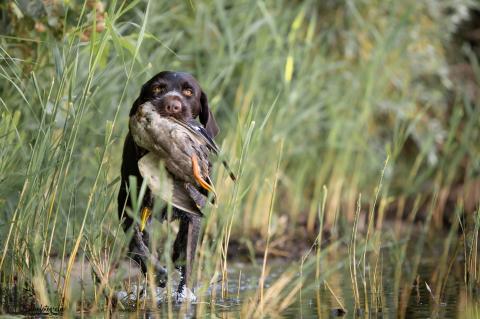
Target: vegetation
[353,127]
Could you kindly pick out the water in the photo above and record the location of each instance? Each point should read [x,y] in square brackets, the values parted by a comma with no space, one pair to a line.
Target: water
[316,300]
[422,285]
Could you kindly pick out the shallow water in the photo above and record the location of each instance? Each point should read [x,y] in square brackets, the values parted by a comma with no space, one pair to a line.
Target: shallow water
[317,301]
[398,288]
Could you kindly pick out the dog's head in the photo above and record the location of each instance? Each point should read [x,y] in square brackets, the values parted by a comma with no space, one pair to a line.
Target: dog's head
[179,95]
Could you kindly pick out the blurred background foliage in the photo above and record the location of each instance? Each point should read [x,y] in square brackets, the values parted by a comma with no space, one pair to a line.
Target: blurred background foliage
[344,85]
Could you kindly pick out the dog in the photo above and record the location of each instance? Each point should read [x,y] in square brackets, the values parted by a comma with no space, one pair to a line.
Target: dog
[176,94]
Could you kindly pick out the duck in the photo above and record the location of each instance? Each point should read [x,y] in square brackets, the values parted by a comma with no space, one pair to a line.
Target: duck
[182,147]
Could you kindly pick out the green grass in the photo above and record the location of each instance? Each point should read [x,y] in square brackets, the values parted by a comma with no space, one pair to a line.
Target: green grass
[311,100]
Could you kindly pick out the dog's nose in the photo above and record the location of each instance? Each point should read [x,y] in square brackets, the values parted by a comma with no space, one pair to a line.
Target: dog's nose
[174,106]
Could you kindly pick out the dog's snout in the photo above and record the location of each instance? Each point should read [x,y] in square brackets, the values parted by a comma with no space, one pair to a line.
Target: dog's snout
[173,106]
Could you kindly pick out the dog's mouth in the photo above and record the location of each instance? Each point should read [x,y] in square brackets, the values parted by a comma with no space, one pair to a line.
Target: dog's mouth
[148,113]
[173,106]
[151,112]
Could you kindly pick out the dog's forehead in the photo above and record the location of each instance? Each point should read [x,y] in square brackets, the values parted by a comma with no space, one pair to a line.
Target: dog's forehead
[175,78]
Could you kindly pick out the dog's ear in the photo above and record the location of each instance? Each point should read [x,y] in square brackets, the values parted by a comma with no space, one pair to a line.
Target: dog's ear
[140,99]
[135,105]
[206,116]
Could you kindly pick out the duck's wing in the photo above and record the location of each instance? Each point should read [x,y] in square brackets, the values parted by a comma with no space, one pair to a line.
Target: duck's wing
[168,188]
[199,133]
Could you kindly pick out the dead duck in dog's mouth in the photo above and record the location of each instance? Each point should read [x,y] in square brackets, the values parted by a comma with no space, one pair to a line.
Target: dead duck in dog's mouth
[184,152]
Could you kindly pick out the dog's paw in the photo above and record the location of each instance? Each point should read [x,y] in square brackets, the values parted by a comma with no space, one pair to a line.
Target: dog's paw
[161,281]
[161,276]
[184,295]
[130,296]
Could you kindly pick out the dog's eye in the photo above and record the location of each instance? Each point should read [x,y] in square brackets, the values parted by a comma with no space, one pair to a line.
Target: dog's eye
[187,92]
[158,89]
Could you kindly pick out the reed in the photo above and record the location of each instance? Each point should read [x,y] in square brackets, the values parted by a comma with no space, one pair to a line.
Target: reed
[343,86]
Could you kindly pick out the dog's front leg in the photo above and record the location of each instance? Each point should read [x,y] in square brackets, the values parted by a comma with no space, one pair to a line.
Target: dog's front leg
[192,240]
[184,249]
[141,254]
